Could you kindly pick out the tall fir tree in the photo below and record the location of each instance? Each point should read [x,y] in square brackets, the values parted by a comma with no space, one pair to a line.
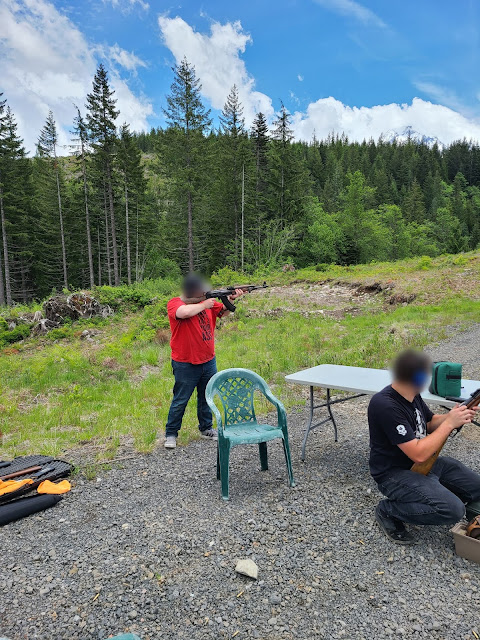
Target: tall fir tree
[101,116]
[47,150]
[131,170]
[231,176]
[290,184]
[282,135]
[188,120]
[81,142]
[3,136]
[260,138]
[15,203]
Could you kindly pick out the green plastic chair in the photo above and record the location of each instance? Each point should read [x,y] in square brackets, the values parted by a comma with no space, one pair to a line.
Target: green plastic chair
[235,388]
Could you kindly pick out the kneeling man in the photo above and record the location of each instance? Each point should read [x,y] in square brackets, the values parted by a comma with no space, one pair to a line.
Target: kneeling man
[403,431]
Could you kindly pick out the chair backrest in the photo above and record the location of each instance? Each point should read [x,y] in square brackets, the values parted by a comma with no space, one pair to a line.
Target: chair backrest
[235,388]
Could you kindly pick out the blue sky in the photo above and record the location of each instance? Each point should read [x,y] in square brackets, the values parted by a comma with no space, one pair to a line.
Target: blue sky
[338,65]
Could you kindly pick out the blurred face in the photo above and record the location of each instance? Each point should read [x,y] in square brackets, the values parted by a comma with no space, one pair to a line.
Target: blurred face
[420,379]
[194,286]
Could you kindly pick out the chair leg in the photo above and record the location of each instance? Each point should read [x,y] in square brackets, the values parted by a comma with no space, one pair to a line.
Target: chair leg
[224,455]
[263,455]
[288,459]
[218,462]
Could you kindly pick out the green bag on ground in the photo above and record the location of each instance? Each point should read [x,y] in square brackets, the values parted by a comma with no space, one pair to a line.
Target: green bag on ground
[446,379]
[473,509]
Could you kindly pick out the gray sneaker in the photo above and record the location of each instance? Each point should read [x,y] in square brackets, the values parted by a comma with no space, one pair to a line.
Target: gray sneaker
[170,442]
[209,434]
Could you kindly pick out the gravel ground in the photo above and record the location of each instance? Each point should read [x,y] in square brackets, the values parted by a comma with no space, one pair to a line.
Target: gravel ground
[151,548]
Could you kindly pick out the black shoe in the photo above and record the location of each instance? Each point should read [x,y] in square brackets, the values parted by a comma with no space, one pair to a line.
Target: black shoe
[394,529]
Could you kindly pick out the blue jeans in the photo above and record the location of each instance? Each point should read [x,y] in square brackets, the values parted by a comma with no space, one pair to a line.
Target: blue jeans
[438,498]
[187,378]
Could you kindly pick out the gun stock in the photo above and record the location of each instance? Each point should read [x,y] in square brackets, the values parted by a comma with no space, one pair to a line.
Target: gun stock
[425,467]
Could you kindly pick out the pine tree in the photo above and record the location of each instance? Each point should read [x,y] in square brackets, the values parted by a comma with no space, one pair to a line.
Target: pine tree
[188,120]
[232,172]
[81,132]
[290,185]
[129,163]
[47,149]
[259,136]
[3,134]
[282,135]
[414,204]
[14,207]
[101,118]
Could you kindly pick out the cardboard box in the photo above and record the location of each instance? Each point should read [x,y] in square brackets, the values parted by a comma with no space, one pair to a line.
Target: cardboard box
[465,546]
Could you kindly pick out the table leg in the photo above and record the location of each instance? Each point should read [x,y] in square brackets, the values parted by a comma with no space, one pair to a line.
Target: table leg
[309,424]
[331,415]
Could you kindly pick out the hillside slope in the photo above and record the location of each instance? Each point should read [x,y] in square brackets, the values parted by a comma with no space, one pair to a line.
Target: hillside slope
[113,389]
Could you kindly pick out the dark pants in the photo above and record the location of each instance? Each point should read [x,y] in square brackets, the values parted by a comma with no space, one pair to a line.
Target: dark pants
[187,378]
[438,498]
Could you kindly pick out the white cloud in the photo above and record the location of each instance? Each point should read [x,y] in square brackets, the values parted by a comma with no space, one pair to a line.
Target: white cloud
[217,62]
[328,115]
[354,10]
[48,64]
[126,6]
[294,97]
[300,78]
[126,59]
[443,95]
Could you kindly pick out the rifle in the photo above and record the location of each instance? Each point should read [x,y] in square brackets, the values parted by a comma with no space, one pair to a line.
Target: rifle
[22,472]
[425,467]
[222,294]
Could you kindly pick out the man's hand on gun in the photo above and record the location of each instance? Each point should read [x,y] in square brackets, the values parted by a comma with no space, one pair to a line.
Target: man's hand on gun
[460,415]
[237,294]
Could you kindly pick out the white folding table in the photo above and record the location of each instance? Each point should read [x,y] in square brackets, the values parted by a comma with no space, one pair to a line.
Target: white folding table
[359,380]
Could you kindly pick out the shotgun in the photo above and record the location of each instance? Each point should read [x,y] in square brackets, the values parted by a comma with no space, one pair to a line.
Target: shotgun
[425,467]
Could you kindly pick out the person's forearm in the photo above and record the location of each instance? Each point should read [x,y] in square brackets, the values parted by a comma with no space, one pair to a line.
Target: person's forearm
[436,421]
[426,447]
[190,310]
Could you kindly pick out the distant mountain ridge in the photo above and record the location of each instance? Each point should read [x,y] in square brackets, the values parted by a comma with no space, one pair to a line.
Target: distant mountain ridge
[409,133]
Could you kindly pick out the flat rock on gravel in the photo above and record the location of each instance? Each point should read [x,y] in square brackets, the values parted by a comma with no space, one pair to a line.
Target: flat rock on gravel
[150,548]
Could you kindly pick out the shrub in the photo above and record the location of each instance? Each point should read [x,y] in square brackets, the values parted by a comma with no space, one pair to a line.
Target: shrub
[123,297]
[60,334]
[425,262]
[15,335]
[225,277]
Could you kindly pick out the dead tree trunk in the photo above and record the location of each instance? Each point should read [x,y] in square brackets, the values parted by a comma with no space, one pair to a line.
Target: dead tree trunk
[2,286]
[107,240]
[190,232]
[87,221]
[6,263]
[112,225]
[62,232]
[136,249]
[99,251]
[127,231]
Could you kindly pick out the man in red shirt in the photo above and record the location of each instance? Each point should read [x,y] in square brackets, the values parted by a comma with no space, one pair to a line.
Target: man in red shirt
[193,355]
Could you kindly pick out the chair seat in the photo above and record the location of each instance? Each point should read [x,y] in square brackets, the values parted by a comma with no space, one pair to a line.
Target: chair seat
[251,433]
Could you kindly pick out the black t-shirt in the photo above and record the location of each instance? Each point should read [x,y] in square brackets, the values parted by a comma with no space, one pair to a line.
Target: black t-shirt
[393,420]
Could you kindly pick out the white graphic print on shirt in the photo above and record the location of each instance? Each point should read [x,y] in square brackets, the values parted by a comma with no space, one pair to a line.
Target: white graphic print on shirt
[421,430]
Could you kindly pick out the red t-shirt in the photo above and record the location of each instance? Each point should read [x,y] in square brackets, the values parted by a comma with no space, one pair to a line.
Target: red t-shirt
[193,338]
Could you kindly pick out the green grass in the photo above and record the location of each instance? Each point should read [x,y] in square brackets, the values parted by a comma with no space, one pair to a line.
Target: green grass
[60,391]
